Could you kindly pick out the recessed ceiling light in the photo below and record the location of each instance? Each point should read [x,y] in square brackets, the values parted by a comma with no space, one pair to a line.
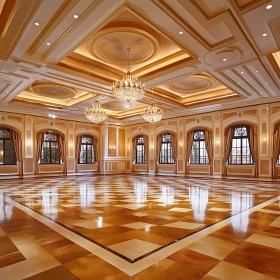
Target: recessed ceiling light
[257,71]
[266,83]
[48,44]
[224,59]
[241,72]
[264,34]
[268,7]
[76,16]
[261,92]
[238,83]
[181,32]
[37,23]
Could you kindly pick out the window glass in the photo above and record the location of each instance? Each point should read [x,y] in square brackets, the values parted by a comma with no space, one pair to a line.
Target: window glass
[7,149]
[140,155]
[166,149]
[50,149]
[240,152]
[199,153]
[87,154]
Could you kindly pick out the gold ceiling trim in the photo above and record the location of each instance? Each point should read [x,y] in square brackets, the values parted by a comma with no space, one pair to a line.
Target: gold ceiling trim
[167,9]
[95,50]
[49,28]
[75,25]
[247,7]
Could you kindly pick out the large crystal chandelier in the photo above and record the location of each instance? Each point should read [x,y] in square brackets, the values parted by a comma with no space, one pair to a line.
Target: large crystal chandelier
[129,89]
[96,114]
[152,114]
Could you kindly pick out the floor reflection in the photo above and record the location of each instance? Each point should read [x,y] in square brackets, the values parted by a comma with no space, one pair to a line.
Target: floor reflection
[199,201]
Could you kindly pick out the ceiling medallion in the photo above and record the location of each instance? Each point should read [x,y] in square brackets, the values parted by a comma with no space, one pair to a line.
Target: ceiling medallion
[152,114]
[129,89]
[96,114]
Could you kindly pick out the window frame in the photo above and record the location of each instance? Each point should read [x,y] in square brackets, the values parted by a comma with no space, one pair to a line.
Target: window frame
[87,144]
[168,150]
[240,137]
[199,144]
[50,148]
[5,139]
[142,145]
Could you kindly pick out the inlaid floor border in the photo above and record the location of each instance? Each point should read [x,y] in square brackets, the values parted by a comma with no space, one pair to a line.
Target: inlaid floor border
[136,267]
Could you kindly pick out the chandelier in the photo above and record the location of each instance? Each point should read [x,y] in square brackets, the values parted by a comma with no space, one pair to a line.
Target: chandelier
[129,89]
[96,114]
[152,114]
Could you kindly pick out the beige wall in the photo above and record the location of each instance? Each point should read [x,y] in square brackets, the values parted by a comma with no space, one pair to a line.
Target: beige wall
[115,143]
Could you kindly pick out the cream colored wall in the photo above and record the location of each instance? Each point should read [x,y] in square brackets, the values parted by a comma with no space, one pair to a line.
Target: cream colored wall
[115,143]
[263,117]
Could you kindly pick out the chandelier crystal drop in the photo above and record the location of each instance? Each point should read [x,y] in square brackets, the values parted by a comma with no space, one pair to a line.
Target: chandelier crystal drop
[129,89]
[152,114]
[96,114]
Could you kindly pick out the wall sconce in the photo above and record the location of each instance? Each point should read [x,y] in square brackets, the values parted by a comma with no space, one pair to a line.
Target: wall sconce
[28,142]
[264,139]
[52,116]
[112,148]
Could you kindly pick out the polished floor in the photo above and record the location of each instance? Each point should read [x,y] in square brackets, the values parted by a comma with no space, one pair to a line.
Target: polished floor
[135,227]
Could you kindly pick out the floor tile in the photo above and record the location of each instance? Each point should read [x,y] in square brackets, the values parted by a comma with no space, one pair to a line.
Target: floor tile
[228,271]
[184,225]
[134,248]
[213,247]
[265,240]
[276,223]
[138,225]
[177,209]
[91,224]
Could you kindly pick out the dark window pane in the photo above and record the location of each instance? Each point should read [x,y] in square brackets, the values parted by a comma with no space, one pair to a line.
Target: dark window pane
[87,155]
[140,155]
[7,149]
[50,153]
[166,150]
[240,153]
[199,153]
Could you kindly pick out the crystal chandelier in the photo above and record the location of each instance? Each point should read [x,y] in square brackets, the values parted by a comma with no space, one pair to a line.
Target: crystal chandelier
[129,89]
[96,114]
[152,114]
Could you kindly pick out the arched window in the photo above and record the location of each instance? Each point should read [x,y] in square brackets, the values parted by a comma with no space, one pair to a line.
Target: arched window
[87,153]
[166,154]
[240,151]
[7,149]
[50,153]
[199,153]
[140,151]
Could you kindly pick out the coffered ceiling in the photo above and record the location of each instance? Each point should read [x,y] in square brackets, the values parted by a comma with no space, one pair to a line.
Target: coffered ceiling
[193,55]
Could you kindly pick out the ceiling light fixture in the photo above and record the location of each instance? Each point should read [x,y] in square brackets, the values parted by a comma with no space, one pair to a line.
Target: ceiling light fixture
[152,114]
[129,89]
[48,44]
[37,23]
[264,34]
[224,59]
[241,72]
[268,7]
[181,32]
[76,16]
[96,114]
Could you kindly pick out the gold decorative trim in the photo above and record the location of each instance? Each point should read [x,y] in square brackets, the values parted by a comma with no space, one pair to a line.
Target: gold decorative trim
[55,20]
[95,51]
[71,28]
[180,21]
[253,4]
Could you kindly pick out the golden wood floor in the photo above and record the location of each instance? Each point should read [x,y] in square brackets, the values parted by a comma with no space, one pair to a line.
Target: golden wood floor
[130,227]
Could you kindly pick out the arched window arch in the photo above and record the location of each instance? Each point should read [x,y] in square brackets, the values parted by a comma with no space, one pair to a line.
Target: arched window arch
[7,148]
[240,148]
[198,154]
[167,148]
[87,149]
[50,151]
[140,152]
